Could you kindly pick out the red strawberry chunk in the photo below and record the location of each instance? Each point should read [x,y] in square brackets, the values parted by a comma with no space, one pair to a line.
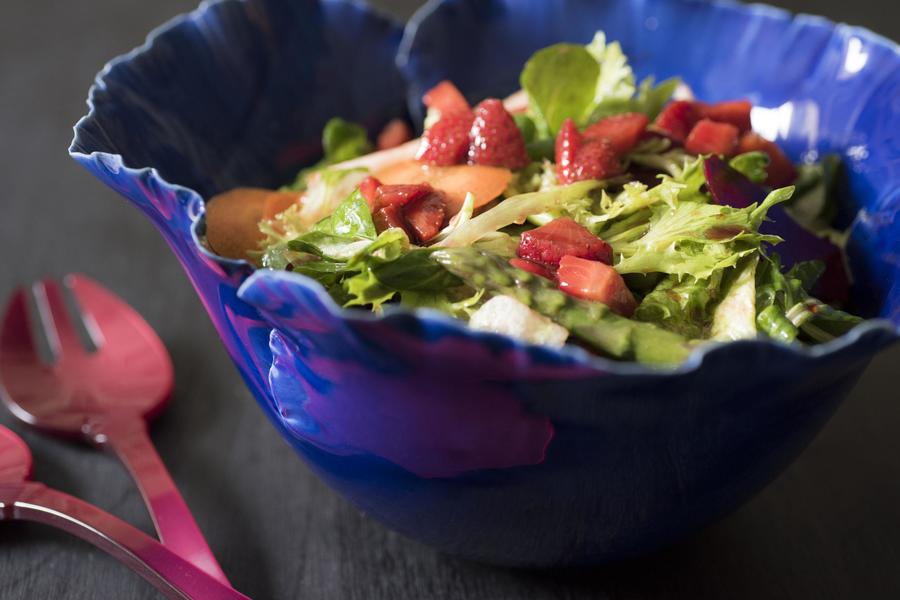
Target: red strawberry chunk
[533,267]
[709,137]
[677,119]
[389,216]
[494,139]
[595,159]
[781,169]
[426,217]
[402,194]
[447,141]
[623,131]
[446,98]
[548,243]
[567,142]
[736,112]
[596,281]
[369,190]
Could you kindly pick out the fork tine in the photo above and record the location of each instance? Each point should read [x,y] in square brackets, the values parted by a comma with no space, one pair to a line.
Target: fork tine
[108,319]
[17,342]
[59,324]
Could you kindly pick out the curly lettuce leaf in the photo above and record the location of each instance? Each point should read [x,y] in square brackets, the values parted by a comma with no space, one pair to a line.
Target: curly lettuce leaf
[516,210]
[681,304]
[693,238]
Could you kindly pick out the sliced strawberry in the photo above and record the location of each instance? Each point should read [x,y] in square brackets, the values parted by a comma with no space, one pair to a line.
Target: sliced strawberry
[534,268]
[396,132]
[677,119]
[709,137]
[426,216]
[596,281]
[736,112]
[369,190]
[494,139]
[623,131]
[548,243]
[447,141]
[446,98]
[401,195]
[567,142]
[781,169]
[595,159]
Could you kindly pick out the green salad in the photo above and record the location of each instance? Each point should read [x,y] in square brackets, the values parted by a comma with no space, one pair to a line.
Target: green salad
[587,208]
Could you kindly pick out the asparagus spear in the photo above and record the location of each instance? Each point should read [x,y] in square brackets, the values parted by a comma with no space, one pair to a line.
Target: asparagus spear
[592,322]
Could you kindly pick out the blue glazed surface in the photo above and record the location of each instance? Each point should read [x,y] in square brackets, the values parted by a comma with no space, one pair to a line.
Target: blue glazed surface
[471,442]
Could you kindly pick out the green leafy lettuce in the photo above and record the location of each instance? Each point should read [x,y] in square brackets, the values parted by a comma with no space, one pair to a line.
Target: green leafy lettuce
[693,238]
[786,311]
[586,83]
[359,267]
[341,141]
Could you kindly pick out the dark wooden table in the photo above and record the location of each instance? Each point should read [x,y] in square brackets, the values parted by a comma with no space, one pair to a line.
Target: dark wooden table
[828,528]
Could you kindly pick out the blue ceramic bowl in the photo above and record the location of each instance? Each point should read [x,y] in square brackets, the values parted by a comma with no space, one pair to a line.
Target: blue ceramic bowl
[475,443]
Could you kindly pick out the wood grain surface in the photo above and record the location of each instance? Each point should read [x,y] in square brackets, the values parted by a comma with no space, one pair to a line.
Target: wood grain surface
[828,528]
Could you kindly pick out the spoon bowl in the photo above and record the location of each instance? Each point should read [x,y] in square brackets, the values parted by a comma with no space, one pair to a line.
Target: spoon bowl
[76,383]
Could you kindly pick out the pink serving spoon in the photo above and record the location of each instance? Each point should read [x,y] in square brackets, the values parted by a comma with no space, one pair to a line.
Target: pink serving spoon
[103,389]
[22,500]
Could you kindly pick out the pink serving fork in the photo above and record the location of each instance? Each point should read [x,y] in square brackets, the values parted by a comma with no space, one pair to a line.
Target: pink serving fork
[103,389]
[22,500]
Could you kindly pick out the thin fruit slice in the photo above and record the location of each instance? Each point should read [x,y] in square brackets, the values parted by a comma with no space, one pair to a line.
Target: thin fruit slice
[232,220]
[485,183]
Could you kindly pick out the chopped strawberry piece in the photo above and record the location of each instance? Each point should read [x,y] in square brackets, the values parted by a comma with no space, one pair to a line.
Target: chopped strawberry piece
[567,142]
[447,141]
[426,216]
[677,119]
[533,267]
[595,159]
[389,216]
[596,281]
[446,98]
[401,195]
[548,243]
[494,139]
[709,137]
[781,169]
[369,190]
[736,112]
[623,131]
[396,132]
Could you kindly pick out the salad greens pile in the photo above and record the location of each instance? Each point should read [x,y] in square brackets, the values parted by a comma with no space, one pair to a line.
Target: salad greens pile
[698,270]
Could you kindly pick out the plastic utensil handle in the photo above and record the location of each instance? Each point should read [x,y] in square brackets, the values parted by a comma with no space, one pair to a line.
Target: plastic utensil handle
[127,436]
[170,573]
